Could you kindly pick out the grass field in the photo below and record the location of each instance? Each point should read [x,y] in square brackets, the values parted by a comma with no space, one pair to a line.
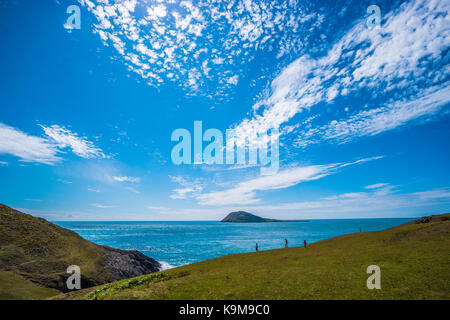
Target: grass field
[14,287]
[414,259]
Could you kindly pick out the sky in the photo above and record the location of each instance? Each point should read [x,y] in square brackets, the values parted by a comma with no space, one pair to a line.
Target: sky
[361,110]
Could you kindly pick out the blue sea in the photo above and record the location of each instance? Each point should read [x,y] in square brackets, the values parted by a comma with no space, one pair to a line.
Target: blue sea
[176,243]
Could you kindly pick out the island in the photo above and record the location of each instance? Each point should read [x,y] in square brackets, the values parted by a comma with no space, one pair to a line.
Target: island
[242,216]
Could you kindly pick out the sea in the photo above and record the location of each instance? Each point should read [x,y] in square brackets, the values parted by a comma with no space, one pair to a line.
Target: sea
[176,243]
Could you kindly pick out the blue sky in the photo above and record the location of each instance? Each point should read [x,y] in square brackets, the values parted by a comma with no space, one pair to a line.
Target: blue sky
[87,114]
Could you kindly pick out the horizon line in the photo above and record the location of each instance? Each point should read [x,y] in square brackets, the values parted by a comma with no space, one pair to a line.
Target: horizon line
[366,218]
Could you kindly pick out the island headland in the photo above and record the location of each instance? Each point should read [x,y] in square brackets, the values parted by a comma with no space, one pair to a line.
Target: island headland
[242,216]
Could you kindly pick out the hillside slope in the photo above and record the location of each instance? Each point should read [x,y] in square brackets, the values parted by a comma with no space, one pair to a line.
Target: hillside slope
[414,259]
[35,254]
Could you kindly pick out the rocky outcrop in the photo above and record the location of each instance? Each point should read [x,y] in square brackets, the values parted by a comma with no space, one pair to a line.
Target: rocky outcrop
[432,218]
[128,263]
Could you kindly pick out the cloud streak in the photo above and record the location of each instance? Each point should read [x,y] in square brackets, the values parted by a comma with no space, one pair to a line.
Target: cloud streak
[361,204]
[126,179]
[26,147]
[244,193]
[80,146]
[376,121]
[46,149]
[101,206]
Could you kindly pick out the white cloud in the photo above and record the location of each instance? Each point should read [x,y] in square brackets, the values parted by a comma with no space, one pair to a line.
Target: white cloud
[156,12]
[181,193]
[27,148]
[233,80]
[395,60]
[376,185]
[93,190]
[376,121]
[190,187]
[101,206]
[132,190]
[3,163]
[217,60]
[156,40]
[349,195]
[126,179]
[64,181]
[157,208]
[244,193]
[433,194]
[45,149]
[79,145]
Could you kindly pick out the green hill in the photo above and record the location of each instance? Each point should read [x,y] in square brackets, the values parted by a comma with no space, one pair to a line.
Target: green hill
[414,259]
[35,254]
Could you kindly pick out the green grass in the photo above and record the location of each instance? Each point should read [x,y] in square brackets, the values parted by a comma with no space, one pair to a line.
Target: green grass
[414,261]
[14,287]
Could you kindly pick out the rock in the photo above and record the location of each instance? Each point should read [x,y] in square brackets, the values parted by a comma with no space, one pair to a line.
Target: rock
[128,263]
[424,220]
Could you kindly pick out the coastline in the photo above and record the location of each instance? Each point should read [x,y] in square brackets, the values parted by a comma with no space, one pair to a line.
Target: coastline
[204,240]
[299,273]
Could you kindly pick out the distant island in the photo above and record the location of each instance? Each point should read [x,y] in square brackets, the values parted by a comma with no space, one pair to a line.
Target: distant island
[242,216]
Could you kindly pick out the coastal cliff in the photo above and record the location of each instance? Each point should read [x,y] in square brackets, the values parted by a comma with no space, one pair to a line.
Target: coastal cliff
[36,252]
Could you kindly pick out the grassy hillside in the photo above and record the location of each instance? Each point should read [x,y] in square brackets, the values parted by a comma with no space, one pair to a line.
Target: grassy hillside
[14,287]
[414,259]
[35,254]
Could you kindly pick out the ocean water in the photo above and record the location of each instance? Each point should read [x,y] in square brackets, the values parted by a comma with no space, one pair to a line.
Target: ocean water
[176,243]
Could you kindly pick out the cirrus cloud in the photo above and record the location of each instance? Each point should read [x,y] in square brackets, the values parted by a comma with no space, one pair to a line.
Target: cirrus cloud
[48,148]
[402,66]
[244,193]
